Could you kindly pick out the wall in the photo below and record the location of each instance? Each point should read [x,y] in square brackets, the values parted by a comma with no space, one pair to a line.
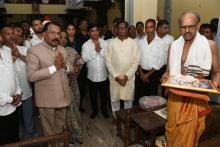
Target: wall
[113,12]
[143,10]
[27,9]
[207,9]
[21,17]
[160,8]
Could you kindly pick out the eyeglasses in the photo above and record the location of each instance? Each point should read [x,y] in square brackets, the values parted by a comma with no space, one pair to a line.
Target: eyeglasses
[122,27]
[55,33]
[189,27]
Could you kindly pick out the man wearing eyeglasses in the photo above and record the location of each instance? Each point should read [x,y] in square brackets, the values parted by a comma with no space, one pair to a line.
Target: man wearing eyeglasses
[191,54]
[46,67]
[122,61]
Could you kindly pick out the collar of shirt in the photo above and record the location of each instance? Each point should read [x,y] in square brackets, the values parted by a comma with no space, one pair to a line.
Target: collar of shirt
[140,36]
[155,38]
[91,41]
[36,37]
[49,47]
[122,40]
[168,37]
[7,49]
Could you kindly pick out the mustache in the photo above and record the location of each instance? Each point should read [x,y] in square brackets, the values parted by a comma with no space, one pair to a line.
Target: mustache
[187,33]
[55,40]
[11,41]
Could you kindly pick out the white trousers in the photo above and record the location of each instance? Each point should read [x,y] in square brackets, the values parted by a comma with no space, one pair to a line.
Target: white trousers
[116,106]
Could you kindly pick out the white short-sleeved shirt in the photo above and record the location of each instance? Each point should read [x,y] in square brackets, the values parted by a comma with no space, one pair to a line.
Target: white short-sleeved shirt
[9,83]
[22,74]
[20,68]
[151,55]
[167,40]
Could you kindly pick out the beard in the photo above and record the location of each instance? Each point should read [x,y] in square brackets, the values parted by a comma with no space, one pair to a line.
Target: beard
[38,31]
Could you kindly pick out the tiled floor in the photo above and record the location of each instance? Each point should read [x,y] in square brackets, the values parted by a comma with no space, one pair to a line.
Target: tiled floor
[98,132]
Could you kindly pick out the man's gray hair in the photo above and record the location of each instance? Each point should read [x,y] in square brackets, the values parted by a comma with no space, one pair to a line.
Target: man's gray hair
[189,12]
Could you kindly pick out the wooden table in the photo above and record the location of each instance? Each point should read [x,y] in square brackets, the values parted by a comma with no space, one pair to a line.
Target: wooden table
[124,117]
[150,123]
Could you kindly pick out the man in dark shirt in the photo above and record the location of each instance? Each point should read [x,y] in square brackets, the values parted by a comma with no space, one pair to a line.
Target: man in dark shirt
[81,37]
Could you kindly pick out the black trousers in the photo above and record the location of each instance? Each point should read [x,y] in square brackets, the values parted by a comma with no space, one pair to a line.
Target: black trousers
[146,89]
[161,72]
[81,81]
[9,128]
[103,89]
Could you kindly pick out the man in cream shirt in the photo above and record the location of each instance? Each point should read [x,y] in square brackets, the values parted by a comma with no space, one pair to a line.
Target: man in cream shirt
[122,62]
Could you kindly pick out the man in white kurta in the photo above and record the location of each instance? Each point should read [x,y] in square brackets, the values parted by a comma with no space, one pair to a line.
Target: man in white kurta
[122,61]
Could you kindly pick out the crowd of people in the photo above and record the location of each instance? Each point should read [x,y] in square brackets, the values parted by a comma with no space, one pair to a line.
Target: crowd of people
[121,65]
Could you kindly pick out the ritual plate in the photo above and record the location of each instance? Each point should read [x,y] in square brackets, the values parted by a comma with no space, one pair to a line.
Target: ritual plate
[204,85]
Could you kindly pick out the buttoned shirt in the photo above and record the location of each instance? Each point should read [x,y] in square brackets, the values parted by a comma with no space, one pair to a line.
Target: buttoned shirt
[167,40]
[138,37]
[97,70]
[122,59]
[151,54]
[35,40]
[22,74]
[9,83]
[51,89]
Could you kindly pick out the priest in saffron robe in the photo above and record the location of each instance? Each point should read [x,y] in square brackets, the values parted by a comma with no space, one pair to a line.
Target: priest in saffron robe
[191,54]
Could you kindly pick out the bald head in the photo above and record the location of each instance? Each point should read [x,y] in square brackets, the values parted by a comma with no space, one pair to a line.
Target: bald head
[191,15]
[5,29]
[189,25]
